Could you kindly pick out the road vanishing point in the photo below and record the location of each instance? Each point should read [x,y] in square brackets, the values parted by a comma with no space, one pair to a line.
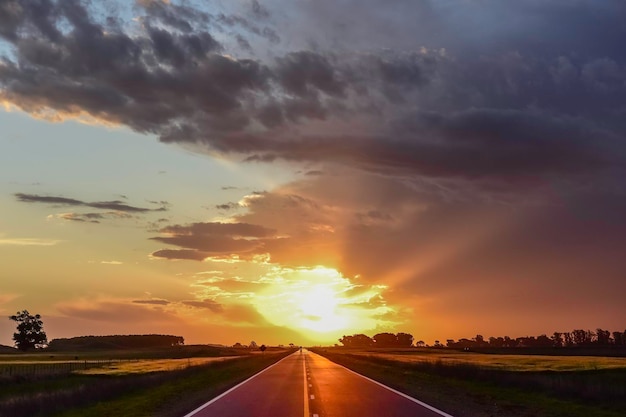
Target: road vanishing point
[305,384]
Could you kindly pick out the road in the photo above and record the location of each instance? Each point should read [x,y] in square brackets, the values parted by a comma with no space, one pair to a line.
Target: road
[305,384]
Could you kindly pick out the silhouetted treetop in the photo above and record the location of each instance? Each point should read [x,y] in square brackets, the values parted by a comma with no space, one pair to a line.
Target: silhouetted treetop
[30,333]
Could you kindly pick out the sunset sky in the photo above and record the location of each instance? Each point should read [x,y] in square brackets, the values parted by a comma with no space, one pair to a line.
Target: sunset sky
[290,171]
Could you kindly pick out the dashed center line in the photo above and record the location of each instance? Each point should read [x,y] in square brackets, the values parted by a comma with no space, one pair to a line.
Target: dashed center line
[306,391]
[312,397]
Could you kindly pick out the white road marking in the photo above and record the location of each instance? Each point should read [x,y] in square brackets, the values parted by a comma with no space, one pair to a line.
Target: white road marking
[312,397]
[205,405]
[306,391]
[423,404]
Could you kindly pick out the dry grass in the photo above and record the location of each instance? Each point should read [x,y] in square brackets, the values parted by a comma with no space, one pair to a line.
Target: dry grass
[151,365]
[489,385]
[127,388]
[521,363]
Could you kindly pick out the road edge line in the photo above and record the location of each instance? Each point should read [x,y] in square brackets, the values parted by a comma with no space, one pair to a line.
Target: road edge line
[208,403]
[408,397]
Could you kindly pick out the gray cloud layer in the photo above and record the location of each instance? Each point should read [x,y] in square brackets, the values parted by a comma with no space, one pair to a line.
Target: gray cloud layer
[116,205]
[524,106]
[201,240]
[473,152]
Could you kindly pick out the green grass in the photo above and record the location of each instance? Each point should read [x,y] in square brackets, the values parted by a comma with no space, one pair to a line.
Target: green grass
[161,393]
[473,390]
[180,395]
[172,352]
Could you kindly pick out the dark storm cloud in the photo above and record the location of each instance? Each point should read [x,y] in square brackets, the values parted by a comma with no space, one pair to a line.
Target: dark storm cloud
[179,17]
[105,205]
[258,10]
[496,103]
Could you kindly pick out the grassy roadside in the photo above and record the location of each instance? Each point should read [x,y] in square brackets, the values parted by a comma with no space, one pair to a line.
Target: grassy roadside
[177,397]
[468,394]
[161,394]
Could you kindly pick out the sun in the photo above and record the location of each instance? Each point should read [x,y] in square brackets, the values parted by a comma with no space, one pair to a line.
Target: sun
[319,302]
[319,307]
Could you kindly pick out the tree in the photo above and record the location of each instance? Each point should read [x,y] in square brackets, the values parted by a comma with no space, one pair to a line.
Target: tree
[357,340]
[603,337]
[404,339]
[30,334]
[385,340]
[568,339]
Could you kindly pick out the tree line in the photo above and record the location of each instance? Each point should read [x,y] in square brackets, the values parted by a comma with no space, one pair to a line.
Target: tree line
[575,338]
[116,342]
[31,335]
[378,340]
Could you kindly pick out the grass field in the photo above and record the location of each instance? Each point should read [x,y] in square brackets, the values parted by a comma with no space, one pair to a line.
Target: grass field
[41,364]
[145,366]
[521,363]
[134,383]
[467,384]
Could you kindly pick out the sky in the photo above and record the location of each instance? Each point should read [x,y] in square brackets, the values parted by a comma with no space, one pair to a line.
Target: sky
[294,171]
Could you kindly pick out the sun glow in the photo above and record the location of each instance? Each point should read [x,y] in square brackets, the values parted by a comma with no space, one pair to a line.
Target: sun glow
[320,311]
[320,303]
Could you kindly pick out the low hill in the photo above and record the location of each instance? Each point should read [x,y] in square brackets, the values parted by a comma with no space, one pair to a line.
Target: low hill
[115,342]
[7,349]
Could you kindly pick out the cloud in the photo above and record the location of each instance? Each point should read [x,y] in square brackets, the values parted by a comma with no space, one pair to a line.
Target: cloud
[233,286]
[91,217]
[111,262]
[208,304]
[7,298]
[104,205]
[246,315]
[201,240]
[153,301]
[236,230]
[114,310]
[446,152]
[451,109]
[181,254]
[227,206]
[26,241]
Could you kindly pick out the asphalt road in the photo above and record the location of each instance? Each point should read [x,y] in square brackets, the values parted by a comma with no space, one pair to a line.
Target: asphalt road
[308,385]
